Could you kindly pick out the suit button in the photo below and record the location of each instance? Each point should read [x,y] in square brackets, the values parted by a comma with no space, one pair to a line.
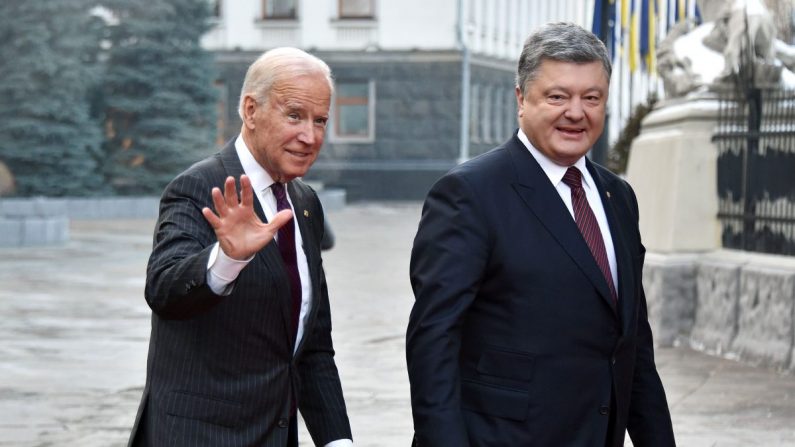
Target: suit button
[613,360]
[604,410]
[283,423]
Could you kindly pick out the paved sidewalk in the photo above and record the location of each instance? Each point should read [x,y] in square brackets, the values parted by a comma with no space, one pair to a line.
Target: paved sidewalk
[74,330]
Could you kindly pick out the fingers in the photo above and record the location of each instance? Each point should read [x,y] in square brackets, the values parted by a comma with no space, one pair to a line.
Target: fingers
[227,201]
[210,216]
[230,192]
[281,218]
[218,202]
[246,191]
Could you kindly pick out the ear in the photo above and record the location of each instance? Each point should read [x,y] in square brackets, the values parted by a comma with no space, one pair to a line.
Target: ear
[249,111]
[519,102]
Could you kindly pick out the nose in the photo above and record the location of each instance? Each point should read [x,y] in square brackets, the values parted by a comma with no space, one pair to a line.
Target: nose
[575,111]
[307,134]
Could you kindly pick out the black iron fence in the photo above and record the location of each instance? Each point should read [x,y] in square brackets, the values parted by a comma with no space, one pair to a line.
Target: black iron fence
[756,170]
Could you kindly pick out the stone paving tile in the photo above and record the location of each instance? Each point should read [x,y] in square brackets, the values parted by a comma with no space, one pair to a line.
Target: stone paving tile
[74,330]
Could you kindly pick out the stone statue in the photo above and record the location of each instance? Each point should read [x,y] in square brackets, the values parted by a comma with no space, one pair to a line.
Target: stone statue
[693,59]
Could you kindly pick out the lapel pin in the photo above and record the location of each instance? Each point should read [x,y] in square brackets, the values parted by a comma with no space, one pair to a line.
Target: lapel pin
[608,194]
[306,213]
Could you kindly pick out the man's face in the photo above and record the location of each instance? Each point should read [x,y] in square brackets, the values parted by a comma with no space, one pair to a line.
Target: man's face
[563,109]
[285,133]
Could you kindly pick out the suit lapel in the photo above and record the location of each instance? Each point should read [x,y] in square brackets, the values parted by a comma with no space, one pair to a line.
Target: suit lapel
[608,191]
[541,197]
[269,257]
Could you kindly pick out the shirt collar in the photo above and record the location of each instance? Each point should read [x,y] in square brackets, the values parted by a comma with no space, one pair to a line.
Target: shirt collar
[554,171]
[260,179]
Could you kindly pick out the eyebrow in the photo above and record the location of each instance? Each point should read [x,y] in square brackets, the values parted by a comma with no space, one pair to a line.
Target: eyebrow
[567,90]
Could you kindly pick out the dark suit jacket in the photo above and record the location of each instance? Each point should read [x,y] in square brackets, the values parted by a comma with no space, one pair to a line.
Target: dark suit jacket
[221,369]
[514,339]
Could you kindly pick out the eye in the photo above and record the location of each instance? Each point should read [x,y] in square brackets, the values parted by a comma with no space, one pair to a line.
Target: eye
[321,122]
[294,116]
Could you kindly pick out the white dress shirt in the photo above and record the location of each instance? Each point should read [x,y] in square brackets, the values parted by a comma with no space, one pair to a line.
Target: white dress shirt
[555,172]
[222,270]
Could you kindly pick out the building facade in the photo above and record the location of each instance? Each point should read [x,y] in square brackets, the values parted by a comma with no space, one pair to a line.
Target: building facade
[420,85]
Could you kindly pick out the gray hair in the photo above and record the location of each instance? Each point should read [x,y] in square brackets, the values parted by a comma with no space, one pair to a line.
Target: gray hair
[564,42]
[277,65]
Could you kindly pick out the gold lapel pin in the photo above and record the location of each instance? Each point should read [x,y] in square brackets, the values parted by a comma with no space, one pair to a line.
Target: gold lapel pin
[306,213]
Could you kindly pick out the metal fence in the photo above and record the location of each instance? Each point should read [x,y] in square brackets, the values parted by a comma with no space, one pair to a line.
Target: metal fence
[756,170]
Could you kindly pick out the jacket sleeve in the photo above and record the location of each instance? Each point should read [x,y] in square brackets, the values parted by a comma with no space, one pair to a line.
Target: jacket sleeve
[176,275]
[447,263]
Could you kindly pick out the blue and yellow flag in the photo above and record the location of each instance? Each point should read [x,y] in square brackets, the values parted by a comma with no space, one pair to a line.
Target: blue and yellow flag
[604,8]
[648,34]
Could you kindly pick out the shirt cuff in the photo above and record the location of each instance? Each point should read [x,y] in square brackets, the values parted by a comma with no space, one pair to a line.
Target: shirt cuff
[222,270]
[340,443]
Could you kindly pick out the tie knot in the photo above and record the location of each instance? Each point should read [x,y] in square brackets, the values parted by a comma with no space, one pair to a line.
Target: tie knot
[281,196]
[573,178]
[278,191]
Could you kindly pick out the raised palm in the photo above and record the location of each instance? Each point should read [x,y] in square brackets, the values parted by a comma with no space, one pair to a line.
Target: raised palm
[239,230]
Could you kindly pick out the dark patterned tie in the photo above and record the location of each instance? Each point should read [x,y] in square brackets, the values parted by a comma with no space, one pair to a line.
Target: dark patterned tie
[586,222]
[286,245]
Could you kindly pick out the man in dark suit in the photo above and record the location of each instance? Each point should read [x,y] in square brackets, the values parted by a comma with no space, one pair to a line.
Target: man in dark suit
[529,326]
[241,330]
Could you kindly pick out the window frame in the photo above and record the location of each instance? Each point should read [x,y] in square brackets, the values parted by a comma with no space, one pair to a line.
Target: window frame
[370,101]
[342,16]
[264,16]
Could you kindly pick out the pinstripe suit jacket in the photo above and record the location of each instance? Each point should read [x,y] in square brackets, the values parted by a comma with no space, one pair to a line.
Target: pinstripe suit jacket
[221,369]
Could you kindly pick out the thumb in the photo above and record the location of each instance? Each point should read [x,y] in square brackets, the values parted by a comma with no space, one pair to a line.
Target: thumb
[281,218]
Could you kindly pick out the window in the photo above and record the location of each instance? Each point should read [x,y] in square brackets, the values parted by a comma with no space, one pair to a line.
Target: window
[485,119]
[510,113]
[357,9]
[279,9]
[499,126]
[474,113]
[354,110]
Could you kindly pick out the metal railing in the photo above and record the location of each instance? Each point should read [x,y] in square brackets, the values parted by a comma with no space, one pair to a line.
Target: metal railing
[756,169]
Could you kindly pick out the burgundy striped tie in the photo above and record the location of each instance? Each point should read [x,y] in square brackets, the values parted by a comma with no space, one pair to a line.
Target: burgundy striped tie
[586,222]
[286,245]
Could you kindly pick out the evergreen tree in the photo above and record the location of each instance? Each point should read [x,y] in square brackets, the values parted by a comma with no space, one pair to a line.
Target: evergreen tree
[158,93]
[47,138]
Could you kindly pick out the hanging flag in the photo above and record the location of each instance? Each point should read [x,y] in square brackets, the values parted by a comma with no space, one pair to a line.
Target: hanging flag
[605,12]
[625,16]
[634,36]
[596,27]
[648,34]
[698,14]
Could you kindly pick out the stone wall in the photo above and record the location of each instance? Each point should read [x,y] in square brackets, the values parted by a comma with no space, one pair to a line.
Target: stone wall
[730,303]
[726,302]
[32,222]
[45,220]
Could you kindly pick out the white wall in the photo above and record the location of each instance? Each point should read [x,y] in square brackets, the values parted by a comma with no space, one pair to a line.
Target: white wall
[495,28]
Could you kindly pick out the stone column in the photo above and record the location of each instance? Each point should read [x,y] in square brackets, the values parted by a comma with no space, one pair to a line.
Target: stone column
[673,170]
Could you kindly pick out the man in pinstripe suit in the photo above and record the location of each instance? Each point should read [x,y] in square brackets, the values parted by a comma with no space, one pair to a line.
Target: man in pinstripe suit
[235,349]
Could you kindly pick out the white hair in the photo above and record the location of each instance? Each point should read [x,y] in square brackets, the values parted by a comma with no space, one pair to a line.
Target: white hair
[275,66]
